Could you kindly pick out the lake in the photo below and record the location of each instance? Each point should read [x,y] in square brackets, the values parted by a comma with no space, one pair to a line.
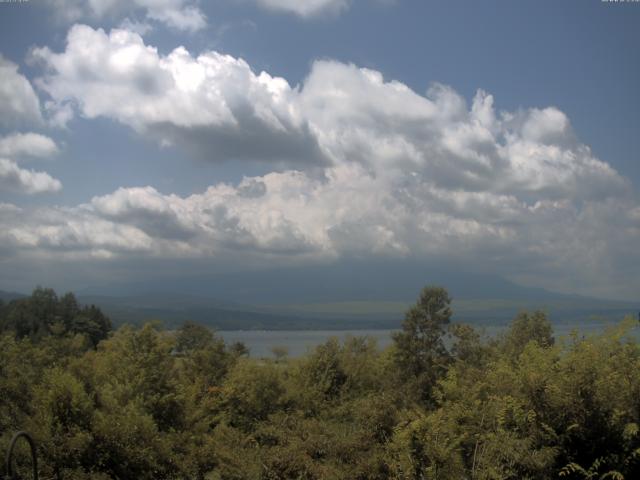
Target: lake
[299,342]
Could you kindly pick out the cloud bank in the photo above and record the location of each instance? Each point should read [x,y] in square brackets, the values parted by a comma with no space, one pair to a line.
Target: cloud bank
[363,166]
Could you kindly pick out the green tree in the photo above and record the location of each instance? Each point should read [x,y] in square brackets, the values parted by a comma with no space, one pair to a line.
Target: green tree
[43,314]
[32,316]
[192,337]
[62,418]
[280,353]
[419,348]
[468,347]
[323,370]
[528,327]
[90,321]
[68,309]
[251,393]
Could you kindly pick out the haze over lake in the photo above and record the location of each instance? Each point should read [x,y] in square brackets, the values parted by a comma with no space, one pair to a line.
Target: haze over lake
[301,342]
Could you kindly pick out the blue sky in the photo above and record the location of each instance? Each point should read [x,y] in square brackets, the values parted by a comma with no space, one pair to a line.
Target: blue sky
[365,138]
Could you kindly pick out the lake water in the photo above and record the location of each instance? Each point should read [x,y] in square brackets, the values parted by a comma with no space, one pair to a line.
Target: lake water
[299,342]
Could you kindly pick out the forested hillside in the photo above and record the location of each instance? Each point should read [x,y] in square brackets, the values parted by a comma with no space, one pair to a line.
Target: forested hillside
[143,403]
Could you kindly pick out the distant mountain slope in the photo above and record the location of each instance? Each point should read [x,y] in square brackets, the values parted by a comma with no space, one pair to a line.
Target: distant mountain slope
[174,310]
[344,296]
[484,310]
[343,282]
[8,296]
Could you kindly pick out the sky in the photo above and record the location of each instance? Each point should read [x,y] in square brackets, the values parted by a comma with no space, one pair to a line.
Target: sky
[172,138]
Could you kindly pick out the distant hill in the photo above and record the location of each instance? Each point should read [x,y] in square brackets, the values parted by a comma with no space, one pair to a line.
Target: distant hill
[8,296]
[173,310]
[355,295]
[352,307]
[344,282]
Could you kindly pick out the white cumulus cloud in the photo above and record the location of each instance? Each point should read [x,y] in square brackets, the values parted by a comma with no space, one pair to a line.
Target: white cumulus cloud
[19,104]
[306,8]
[182,15]
[290,216]
[371,167]
[20,180]
[213,103]
[27,144]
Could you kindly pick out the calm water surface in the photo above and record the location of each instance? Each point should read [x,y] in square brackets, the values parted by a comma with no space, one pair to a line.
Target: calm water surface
[299,342]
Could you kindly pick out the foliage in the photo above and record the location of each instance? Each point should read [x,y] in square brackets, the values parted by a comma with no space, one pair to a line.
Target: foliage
[151,404]
[420,352]
[43,314]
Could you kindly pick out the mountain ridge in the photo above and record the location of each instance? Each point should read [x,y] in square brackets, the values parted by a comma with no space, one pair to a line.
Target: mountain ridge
[355,295]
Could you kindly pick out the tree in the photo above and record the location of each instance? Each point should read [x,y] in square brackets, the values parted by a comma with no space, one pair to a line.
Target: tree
[280,352]
[43,314]
[62,419]
[467,346]
[68,308]
[32,316]
[323,369]
[204,357]
[90,321]
[2,314]
[192,337]
[420,351]
[238,350]
[251,393]
[525,328]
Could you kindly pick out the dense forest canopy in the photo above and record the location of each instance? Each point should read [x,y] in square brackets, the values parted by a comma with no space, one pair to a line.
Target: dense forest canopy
[145,403]
[43,314]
